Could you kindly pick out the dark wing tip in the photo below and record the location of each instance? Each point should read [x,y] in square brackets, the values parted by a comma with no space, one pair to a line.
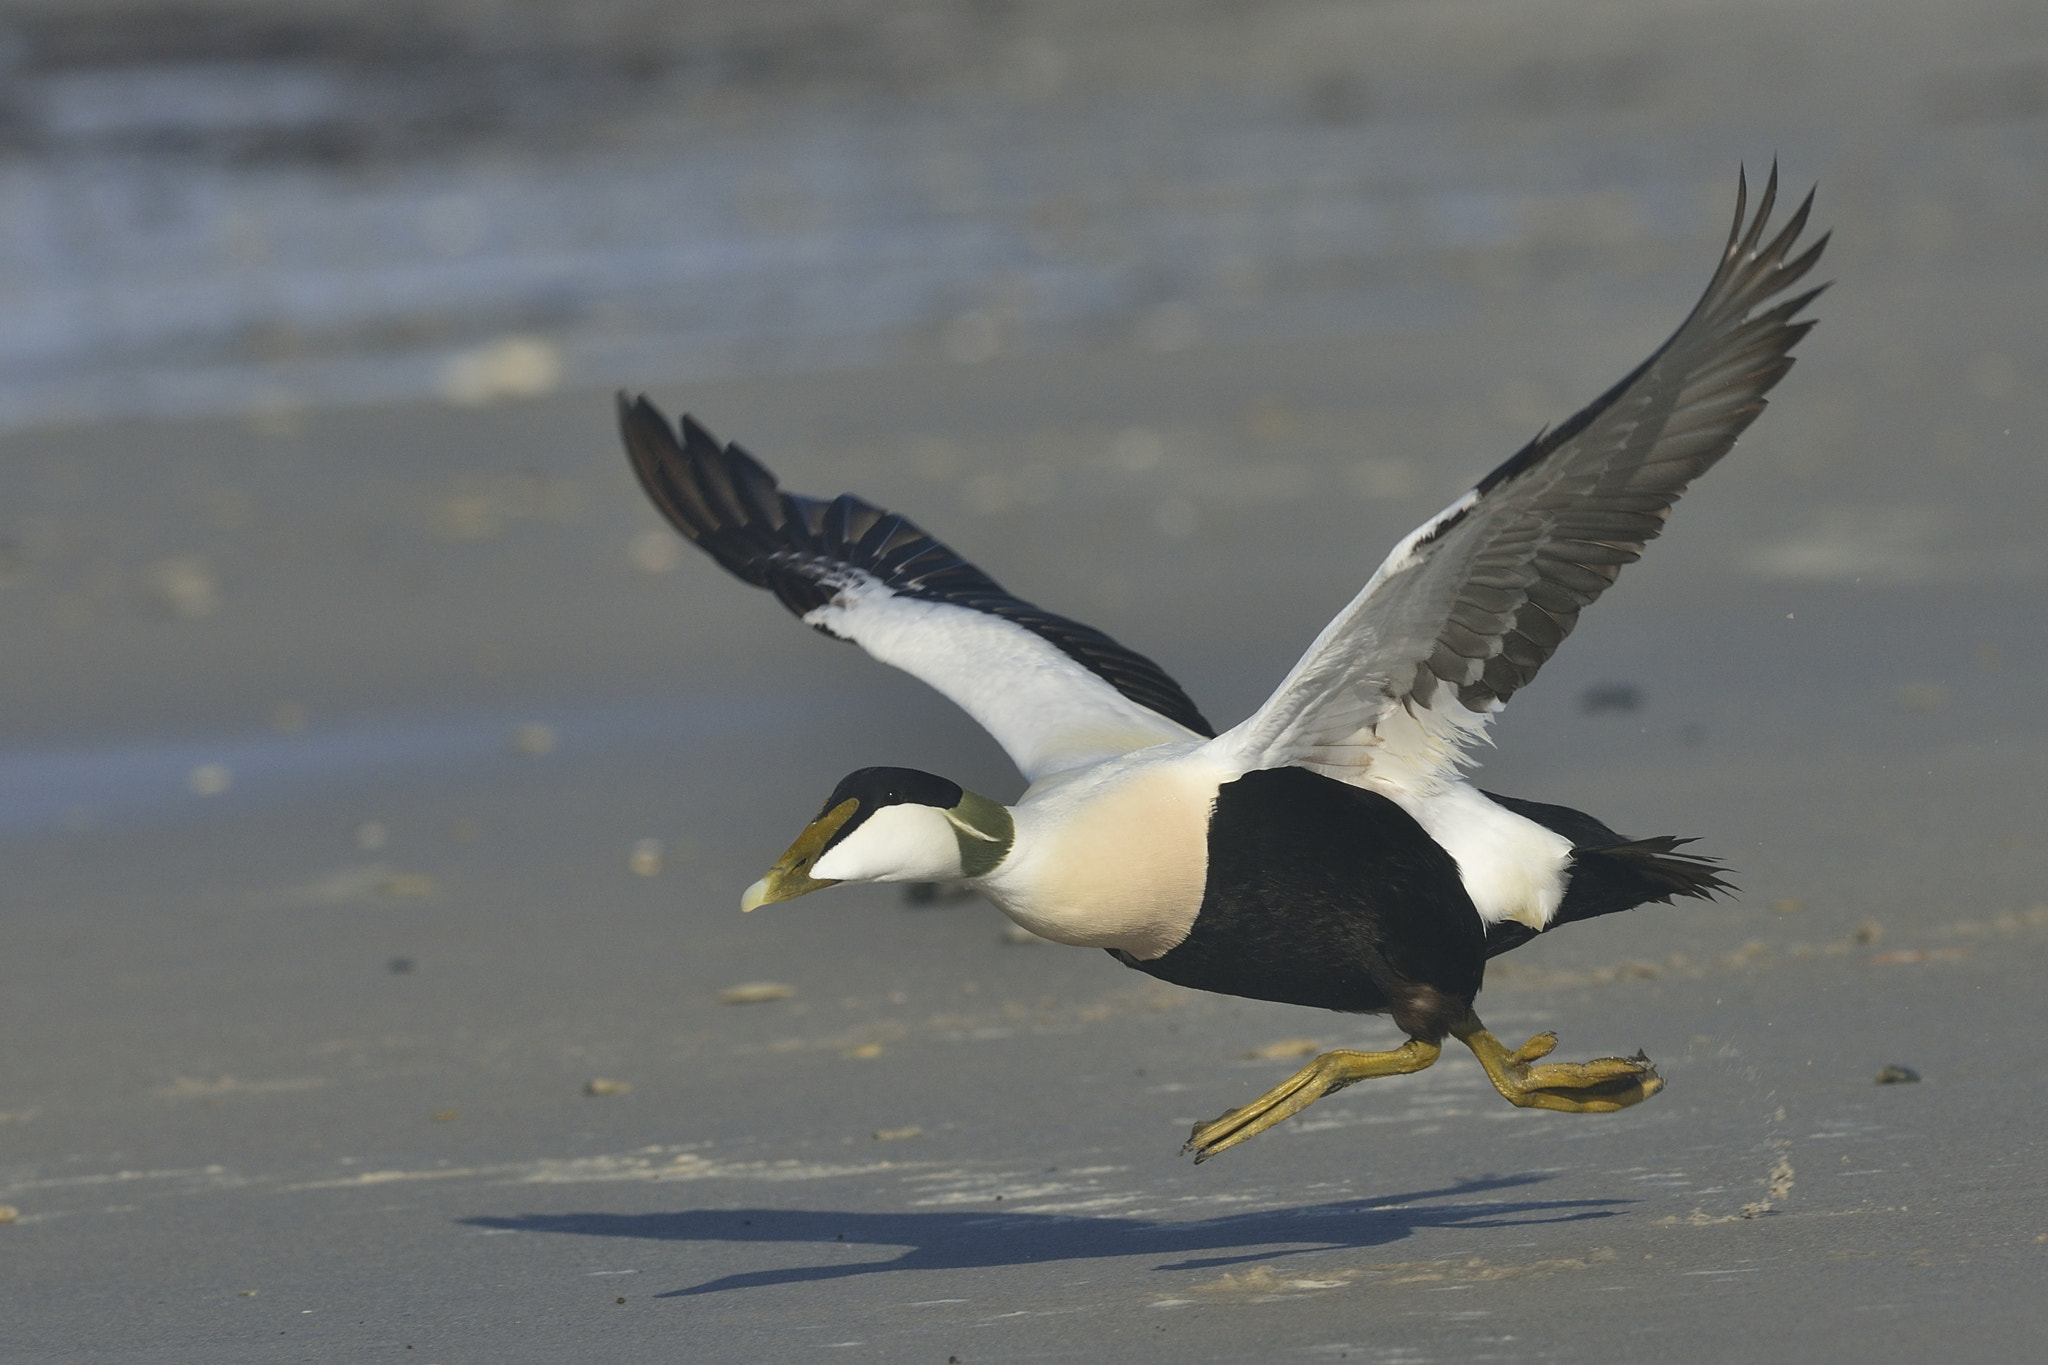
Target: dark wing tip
[1701,389]
[803,549]
[663,468]
[1750,273]
[703,489]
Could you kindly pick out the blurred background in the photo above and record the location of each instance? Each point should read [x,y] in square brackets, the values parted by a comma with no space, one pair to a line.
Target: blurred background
[1020,263]
[370,752]
[265,206]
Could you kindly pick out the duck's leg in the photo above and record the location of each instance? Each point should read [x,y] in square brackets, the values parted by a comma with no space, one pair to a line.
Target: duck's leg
[1325,1075]
[1596,1087]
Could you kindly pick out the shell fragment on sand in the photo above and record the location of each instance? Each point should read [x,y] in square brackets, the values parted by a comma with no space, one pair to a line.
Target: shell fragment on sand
[1285,1048]
[755,993]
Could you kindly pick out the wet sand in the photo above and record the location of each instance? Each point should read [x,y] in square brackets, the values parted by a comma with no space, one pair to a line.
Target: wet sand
[379,782]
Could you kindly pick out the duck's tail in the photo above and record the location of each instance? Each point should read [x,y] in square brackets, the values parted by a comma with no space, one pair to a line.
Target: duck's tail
[1609,873]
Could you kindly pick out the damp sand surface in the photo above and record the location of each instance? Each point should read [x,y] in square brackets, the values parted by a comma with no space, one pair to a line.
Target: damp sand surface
[379,781]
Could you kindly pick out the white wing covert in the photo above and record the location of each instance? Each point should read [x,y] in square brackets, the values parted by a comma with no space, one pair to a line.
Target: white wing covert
[1470,605]
[1054,693]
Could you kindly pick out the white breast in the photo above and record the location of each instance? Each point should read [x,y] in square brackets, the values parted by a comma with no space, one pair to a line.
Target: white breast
[1118,860]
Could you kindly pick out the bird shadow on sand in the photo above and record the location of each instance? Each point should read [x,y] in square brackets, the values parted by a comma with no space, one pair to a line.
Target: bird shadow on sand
[979,1240]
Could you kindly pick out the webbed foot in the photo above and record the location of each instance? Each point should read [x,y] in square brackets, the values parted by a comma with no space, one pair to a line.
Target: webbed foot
[1326,1075]
[1596,1087]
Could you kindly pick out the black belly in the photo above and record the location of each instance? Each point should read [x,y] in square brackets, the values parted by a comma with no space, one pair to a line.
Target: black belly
[1320,893]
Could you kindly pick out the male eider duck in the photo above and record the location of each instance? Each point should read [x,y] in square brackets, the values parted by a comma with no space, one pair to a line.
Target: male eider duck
[1326,851]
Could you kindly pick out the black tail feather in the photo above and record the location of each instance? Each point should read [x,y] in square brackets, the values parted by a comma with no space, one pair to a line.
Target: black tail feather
[1656,862]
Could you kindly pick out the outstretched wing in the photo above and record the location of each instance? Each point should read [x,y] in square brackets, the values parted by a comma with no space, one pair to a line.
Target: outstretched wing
[1470,605]
[1055,694]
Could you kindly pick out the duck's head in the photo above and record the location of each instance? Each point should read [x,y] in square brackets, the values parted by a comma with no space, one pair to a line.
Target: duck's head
[890,825]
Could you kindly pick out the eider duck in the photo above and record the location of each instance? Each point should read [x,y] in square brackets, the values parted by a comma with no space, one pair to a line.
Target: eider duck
[1327,850]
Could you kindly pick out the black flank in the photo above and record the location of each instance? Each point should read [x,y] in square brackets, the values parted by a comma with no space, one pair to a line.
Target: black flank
[1324,894]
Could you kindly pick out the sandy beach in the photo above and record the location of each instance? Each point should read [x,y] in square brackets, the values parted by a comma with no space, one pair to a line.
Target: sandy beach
[380,777]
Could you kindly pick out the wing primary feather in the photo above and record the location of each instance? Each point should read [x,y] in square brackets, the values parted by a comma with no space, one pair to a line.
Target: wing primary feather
[808,551]
[1718,390]
[1480,597]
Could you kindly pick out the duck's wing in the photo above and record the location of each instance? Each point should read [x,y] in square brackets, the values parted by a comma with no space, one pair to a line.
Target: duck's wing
[1054,693]
[1470,605]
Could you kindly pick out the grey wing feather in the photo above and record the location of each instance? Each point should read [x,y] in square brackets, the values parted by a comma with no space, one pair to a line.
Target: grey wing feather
[1471,605]
[1575,505]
